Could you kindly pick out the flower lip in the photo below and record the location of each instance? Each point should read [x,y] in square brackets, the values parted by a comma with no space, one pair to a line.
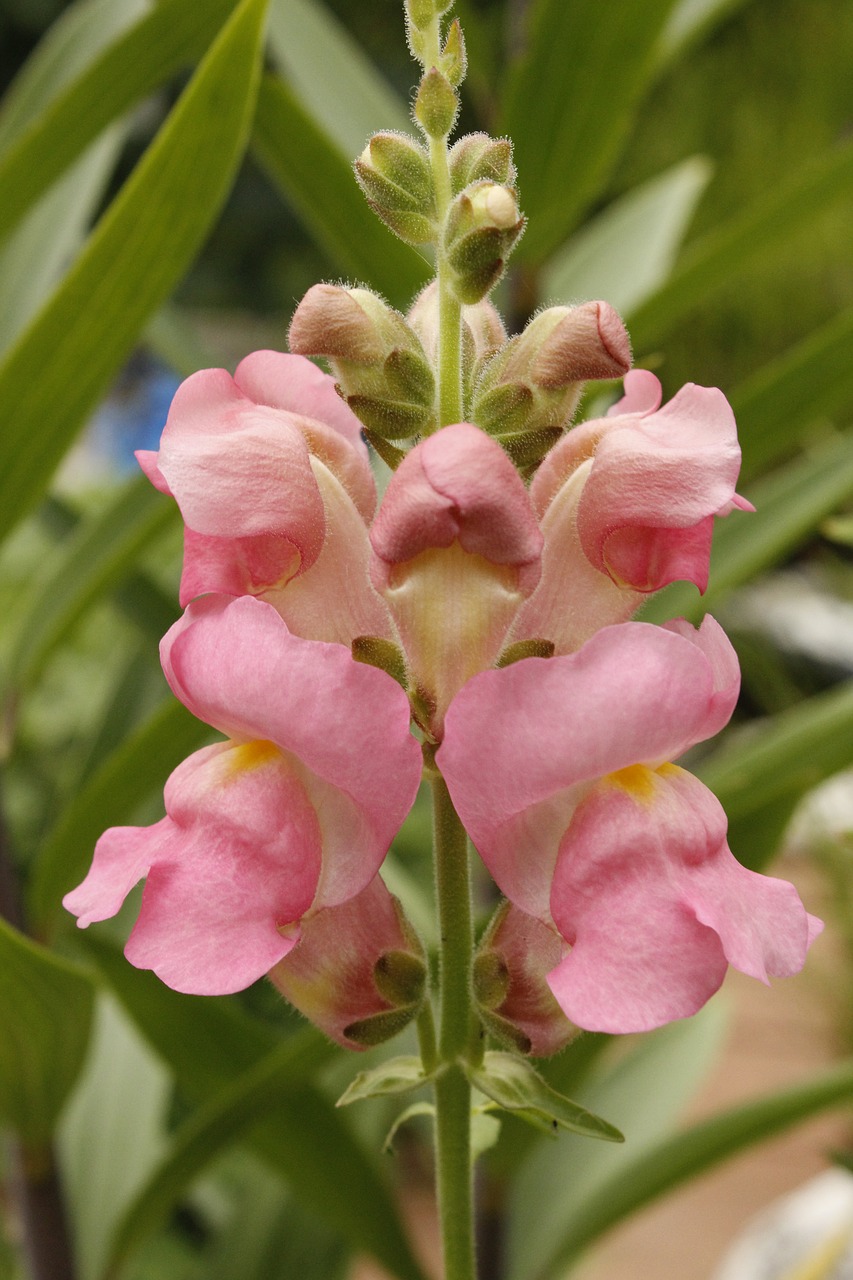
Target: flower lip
[458,485]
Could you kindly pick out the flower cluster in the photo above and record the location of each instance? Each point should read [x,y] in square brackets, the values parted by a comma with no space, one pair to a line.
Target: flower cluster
[492,616]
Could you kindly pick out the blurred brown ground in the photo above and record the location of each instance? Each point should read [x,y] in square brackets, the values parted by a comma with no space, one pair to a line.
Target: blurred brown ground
[779,1037]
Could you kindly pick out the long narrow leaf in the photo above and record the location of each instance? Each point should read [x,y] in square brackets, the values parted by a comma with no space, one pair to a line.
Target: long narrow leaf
[570,104]
[626,252]
[46,1006]
[141,247]
[328,71]
[724,254]
[202,1040]
[812,381]
[267,1095]
[98,556]
[674,1161]
[134,772]
[318,181]
[173,34]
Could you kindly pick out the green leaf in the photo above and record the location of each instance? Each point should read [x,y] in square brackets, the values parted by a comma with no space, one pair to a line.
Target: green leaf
[722,255]
[46,1006]
[774,761]
[810,382]
[40,145]
[53,376]
[34,257]
[138,768]
[625,253]
[112,1132]
[317,180]
[96,558]
[397,1075]
[410,1113]
[570,104]
[790,505]
[208,1041]
[689,23]
[330,75]
[672,1162]
[514,1085]
[266,1095]
[558,1178]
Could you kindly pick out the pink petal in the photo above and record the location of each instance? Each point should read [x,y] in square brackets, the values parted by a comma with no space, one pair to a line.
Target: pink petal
[235,665]
[522,743]
[239,470]
[458,484]
[642,394]
[653,905]
[655,473]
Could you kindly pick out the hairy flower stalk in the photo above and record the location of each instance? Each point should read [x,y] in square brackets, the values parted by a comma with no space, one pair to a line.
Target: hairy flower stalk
[474,630]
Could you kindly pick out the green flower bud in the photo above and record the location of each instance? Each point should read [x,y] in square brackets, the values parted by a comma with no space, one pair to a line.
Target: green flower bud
[394,173]
[483,332]
[476,156]
[482,226]
[420,13]
[454,60]
[527,393]
[377,358]
[436,104]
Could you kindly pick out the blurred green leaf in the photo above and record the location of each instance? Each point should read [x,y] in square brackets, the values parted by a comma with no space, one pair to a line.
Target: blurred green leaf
[812,381]
[270,1237]
[689,23]
[209,1041]
[34,257]
[267,1094]
[46,1006]
[720,256]
[756,837]
[570,102]
[112,1132]
[559,1178]
[330,75]
[132,773]
[78,36]
[174,33]
[790,504]
[318,181]
[773,761]
[626,252]
[53,376]
[670,1163]
[97,557]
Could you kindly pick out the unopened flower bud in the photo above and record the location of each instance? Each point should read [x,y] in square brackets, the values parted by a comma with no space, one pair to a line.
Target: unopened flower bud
[482,226]
[483,331]
[454,61]
[394,173]
[436,104]
[358,971]
[377,358]
[420,13]
[476,156]
[514,1000]
[527,393]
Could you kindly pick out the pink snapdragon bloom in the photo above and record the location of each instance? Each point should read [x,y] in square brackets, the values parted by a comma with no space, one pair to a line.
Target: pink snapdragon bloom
[274,484]
[456,549]
[560,771]
[627,505]
[293,814]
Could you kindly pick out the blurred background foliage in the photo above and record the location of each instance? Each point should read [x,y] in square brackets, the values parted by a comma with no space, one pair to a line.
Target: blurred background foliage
[720,225]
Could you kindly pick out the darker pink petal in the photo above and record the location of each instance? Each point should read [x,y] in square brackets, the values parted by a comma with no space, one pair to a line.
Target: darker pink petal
[458,484]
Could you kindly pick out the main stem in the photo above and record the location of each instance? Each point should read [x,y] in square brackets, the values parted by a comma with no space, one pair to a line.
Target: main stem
[454,1174]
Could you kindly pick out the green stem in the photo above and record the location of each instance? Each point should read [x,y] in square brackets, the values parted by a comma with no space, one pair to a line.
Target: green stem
[452,1090]
[449,370]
